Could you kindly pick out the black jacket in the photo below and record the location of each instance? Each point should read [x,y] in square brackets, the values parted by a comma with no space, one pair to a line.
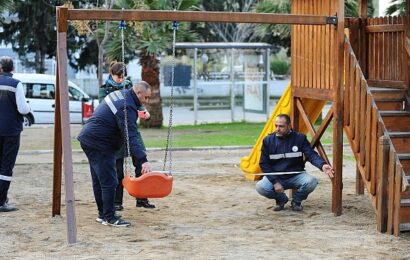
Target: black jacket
[105,130]
[286,154]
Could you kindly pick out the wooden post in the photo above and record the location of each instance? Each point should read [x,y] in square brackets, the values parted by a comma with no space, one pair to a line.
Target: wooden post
[58,153]
[62,15]
[382,175]
[363,37]
[338,113]
[359,183]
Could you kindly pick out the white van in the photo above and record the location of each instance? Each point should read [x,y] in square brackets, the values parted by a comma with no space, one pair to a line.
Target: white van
[40,93]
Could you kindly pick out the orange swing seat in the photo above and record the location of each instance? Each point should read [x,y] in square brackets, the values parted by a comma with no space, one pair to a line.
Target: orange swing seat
[148,185]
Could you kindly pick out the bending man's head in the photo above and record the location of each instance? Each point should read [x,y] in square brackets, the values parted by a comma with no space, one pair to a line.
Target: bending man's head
[282,125]
[143,91]
[6,64]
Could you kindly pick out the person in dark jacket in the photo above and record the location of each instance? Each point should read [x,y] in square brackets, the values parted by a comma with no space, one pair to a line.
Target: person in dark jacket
[283,151]
[116,81]
[104,134]
[13,106]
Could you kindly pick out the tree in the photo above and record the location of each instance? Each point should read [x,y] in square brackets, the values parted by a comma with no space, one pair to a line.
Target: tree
[150,39]
[227,32]
[397,7]
[33,31]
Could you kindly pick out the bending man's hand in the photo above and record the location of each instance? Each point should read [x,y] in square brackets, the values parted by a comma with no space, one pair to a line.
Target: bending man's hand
[146,167]
[278,187]
[328,170]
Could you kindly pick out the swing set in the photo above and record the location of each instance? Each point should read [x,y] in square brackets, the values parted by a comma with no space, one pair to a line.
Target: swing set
[146,184]
[152,184]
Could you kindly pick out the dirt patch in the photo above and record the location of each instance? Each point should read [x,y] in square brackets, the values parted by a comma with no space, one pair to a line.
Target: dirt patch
[213,212]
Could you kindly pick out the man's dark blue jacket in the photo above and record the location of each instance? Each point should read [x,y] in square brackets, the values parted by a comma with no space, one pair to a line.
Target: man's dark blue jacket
[285,154]
[105,130]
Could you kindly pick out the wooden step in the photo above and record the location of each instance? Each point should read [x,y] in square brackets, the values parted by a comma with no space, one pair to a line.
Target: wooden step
[387,93]
[396,121]
[405,227]
[397,105]
[405,161]
[401,141]
[404,214]
[403,156]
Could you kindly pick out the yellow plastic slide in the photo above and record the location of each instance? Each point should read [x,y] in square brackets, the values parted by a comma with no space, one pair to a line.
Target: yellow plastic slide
[250,164]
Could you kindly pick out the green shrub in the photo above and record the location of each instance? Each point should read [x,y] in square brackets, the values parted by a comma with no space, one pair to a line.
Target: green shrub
[279,67]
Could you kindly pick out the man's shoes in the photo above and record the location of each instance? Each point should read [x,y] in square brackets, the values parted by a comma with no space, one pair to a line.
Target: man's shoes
[116,222]
[100,218]
[280,205]
[296,206]
[145,204]
[118,207]
[7,208]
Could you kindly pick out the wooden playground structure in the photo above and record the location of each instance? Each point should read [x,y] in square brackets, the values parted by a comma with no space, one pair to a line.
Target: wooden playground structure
[361,65]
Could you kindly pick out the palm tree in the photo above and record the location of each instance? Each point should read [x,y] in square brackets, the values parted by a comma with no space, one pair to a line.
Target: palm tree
[151,39]
[397,7]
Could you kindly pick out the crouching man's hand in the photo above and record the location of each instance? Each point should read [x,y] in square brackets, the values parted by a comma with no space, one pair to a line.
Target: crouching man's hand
[328,170]
[278,187]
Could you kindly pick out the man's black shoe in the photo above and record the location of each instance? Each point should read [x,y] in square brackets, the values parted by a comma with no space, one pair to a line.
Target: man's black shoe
[118,207]
[7,208]
[280,205]
[144,203]
[296,206]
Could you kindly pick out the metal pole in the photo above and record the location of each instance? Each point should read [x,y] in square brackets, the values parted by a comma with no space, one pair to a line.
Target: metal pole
[195,86]
[267,75]
[232,88]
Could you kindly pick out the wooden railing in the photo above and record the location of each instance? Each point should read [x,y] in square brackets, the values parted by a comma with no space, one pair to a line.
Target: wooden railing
[376,158]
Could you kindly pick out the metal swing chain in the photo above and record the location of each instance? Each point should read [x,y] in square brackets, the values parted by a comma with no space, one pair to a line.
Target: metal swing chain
[168,147]
[127,161]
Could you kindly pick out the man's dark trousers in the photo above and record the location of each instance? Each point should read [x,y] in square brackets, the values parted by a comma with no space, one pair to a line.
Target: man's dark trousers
[9,147]
[104,178]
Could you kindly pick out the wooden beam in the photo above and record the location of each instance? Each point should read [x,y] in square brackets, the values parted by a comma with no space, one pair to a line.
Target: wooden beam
[192,16]
[359,183]
[322,128]
[363,9]
[65,124]
[385,28]
[313,93]
[58,152]
[338,113]
[310,128]
[382,183]
[363,49]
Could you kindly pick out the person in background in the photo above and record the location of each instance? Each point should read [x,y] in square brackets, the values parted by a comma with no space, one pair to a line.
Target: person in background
[116,81]
[13,105]
[283,151]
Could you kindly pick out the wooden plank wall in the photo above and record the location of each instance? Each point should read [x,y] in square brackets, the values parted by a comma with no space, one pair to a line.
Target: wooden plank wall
[314,52]
[386,52]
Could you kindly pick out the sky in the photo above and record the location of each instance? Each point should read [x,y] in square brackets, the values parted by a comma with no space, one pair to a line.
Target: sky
[383,4]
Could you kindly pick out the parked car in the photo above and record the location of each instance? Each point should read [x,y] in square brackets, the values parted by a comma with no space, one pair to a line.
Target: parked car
[40,94]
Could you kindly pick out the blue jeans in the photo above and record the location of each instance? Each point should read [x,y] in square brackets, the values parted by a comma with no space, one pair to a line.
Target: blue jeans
[9,147]
[303,182]
[104,178]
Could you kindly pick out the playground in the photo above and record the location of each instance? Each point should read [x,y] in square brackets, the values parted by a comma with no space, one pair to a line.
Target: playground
[213,212]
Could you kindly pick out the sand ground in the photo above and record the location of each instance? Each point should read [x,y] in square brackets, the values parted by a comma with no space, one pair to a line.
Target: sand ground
[212,213]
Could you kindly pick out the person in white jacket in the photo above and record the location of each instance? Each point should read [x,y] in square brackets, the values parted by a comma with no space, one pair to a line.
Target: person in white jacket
[13,105]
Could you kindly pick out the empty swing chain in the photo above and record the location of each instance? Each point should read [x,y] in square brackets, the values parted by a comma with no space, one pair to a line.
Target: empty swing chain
[127,161]
[168,147]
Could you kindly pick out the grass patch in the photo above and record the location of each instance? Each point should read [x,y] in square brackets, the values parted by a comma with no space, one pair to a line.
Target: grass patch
[215,134]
